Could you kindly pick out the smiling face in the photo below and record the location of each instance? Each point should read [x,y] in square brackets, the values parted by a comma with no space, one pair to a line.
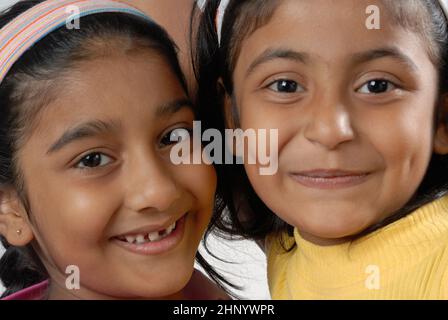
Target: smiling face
[98,175]
[355,111]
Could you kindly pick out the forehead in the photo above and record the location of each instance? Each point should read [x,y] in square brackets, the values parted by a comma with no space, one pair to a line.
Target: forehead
[130,89]
[104,83]
[328,29]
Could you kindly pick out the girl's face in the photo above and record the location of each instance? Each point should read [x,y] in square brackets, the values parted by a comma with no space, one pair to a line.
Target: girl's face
[355,111]
[98,175]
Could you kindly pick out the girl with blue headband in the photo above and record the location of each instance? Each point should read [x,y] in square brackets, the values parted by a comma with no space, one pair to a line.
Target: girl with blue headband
[91,207]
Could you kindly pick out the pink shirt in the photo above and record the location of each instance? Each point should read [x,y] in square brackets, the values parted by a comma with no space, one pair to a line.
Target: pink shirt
[35,292]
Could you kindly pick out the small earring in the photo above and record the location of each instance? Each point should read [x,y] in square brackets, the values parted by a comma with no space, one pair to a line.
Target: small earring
[19,232]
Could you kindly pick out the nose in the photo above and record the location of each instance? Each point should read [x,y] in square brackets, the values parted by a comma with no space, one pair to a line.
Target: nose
[329,124]
[150,185]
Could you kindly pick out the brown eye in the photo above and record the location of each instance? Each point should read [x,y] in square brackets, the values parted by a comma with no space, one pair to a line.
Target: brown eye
[377,86]
[94,160]
[286,86]
[176,136]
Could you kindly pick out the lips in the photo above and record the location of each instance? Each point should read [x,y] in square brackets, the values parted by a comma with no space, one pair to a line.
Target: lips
[144,237]
[148,233]
[330,179]
[331,173]
[152,241]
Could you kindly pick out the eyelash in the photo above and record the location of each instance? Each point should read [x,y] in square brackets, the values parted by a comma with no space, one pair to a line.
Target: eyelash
[297,85]
[166,140]
[394,85]
[285,81]
[77,165]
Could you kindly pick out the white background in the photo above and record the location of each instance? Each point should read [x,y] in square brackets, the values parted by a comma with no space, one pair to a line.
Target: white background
[6,3]
[249,268]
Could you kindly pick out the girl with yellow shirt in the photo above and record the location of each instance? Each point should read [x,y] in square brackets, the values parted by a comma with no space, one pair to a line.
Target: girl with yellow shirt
[358,207]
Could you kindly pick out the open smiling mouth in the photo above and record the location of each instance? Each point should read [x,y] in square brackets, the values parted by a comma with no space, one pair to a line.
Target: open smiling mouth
[150,242]
[149,237]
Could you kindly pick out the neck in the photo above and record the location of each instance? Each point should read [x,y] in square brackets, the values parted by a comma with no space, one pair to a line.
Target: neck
[58,291]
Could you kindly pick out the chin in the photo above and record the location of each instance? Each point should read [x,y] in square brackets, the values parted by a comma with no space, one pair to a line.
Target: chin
[334,227]
[164,288]
[334,234]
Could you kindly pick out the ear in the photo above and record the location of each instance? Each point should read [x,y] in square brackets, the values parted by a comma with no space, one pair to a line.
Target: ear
[441,136]
[14,223]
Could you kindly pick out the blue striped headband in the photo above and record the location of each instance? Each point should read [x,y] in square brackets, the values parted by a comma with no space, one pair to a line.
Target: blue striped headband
[31,26]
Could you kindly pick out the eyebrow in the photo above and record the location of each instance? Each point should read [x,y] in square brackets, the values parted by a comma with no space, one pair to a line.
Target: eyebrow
[82,131]
[277,53]
[172,107]
[392,52]
[358,58]
[98,127]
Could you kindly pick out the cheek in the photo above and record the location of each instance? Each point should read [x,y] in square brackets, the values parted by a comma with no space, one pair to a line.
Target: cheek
[403,142]
[271,189]
[200,180]
[256,114]
[71,219]
[71,213]
[404,139]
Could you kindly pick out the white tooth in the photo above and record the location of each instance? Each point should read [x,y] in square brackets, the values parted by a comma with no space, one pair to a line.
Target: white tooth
[154,236]
[130,239]
[140,239]
[171,228]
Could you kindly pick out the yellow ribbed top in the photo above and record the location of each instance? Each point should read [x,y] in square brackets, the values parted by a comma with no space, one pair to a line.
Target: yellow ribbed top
[404,260]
